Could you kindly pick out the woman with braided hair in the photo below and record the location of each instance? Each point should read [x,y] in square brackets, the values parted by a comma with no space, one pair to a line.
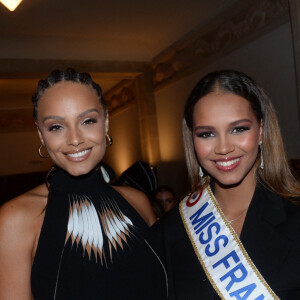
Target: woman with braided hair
[77,237]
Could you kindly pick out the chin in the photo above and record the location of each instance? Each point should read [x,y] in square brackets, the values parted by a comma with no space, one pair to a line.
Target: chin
[75,173]
[231,182]
[78,168]
[228,185]
[78,171]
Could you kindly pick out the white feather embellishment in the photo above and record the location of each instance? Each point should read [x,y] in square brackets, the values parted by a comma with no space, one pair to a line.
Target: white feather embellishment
[89,227]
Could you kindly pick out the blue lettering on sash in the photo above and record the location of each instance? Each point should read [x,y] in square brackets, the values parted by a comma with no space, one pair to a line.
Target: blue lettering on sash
[237,273]
[247,290]
[224,260]
[204,241]
[244,292]
[198,213]
[200,222]
[217,246]
[232,274]
[205,220]
[205,224]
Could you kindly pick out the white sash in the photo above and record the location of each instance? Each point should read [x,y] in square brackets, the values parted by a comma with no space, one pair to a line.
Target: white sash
[220,251]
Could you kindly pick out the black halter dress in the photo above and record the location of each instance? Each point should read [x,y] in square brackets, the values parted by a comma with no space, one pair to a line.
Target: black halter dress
[94,245]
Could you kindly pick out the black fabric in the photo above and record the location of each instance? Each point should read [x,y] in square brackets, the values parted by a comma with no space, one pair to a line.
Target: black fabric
[140,176]
[67,263]
[270,235]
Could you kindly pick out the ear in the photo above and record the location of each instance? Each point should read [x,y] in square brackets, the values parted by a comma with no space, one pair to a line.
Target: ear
[261,131]
[40,135]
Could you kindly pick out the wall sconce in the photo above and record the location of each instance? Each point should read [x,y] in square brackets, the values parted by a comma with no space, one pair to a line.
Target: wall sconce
[11,4]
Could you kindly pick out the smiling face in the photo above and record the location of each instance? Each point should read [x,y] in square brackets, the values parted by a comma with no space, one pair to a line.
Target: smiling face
[72,125]
[226,137]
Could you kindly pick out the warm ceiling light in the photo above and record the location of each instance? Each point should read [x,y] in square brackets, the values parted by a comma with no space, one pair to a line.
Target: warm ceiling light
[11,4]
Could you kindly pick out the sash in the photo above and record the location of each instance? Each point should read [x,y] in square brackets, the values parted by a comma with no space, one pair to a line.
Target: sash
[220,251]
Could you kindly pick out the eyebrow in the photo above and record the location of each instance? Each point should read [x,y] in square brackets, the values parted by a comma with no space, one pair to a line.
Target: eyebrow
[240,121]
[231,124]
[79,116]
[87,112]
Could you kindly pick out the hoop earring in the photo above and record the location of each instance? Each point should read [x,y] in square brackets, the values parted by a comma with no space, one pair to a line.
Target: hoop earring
[40,151]
[261,156]
[109,140]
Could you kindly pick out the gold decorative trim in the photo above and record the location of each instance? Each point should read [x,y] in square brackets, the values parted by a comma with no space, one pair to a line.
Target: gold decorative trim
[234,28]
[120,95]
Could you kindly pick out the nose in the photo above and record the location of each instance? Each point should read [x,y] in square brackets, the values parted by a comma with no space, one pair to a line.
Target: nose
[74,137]
[224,146]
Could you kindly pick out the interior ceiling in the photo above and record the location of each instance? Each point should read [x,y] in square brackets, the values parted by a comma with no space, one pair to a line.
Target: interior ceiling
[131,30]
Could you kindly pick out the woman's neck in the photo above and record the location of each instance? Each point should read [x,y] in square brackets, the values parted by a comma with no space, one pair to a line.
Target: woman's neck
[235,199]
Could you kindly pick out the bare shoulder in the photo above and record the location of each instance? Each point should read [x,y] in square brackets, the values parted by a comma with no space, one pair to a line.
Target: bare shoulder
[26,205]
[20,223]
[139,201]
[22,215]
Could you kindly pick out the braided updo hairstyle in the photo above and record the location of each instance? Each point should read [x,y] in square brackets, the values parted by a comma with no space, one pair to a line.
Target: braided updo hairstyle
[69,74]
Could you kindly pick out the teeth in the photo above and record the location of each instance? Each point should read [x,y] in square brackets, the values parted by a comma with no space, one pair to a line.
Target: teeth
[227,163]
[79,154]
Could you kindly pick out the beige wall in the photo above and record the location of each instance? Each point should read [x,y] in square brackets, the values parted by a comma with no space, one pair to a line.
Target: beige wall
[125,133]
[22,159]
[269,60]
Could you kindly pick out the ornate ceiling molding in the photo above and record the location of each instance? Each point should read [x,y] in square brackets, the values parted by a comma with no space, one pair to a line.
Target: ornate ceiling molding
[242,23]
[120,95]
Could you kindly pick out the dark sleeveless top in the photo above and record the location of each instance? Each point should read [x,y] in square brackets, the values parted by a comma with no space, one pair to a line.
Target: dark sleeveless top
[94,245]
